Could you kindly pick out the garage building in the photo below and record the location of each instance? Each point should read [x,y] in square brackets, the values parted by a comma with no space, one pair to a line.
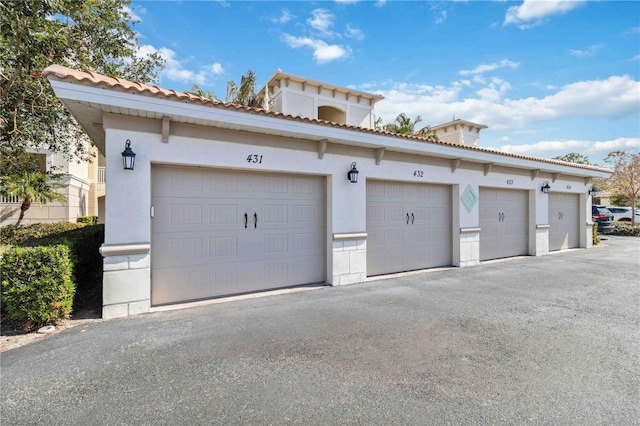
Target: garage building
[225,199]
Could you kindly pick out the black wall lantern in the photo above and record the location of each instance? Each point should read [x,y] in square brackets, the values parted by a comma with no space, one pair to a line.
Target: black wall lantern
[352,175]
[593,191]
[545,188]
[128,156]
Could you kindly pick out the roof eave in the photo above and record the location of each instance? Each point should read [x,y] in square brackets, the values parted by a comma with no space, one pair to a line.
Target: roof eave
[259,121]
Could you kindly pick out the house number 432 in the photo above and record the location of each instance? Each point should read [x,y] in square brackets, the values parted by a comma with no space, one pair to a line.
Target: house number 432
[254,158]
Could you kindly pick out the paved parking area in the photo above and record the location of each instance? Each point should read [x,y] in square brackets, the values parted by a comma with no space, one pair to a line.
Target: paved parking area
[547,340]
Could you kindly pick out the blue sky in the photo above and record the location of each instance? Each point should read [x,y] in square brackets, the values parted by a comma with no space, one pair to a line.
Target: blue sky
[547,77]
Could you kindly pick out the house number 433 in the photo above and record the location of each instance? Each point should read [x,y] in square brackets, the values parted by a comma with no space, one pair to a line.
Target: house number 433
[254,158]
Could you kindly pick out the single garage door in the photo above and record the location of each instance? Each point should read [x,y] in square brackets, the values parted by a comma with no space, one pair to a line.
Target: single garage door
[503,223]
[408,226]
[564,221]
[218,233]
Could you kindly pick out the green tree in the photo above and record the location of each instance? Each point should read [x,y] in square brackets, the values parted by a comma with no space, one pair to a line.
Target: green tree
[33,186]
[403,124]
[245,94]
[95,35]
[573,157]
[198,91]
[625,179]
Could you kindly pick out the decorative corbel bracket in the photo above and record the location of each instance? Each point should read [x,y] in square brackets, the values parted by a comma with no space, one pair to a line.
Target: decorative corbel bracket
[379,155]
[487,168]
[322,148]
[534,174]
[165,128]
[455,163]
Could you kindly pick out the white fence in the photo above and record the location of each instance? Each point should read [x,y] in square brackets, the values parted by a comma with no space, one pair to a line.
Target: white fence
[14,199]
[11,199]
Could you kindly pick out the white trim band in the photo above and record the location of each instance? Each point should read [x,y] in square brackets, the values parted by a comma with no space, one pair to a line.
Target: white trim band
[110,250]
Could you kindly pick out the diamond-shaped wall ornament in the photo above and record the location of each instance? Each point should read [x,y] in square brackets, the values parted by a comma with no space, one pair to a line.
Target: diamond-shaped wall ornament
[469,198]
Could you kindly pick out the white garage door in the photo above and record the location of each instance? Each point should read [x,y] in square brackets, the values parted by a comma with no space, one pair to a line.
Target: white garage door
[218,233]
[503,223]
[564,221]
[408,226]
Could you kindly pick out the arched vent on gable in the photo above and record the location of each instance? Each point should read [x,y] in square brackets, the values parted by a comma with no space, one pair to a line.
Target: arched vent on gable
[333,114]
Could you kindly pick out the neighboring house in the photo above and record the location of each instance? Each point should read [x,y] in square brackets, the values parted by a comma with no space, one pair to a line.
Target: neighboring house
[604,198]
[84,189]
[226,199]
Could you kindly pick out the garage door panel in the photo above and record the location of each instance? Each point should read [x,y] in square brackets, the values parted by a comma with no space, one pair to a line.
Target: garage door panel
[503,223]
[201,247]
[395,237]
[191,214]
[564,221]
[169,283]
[414,214]
[174,249]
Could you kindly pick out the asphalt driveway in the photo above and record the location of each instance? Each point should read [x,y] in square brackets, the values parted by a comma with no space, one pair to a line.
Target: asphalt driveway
[547,340]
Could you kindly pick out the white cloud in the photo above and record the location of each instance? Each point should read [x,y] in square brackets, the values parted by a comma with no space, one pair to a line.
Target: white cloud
[533,12]
[134,12]
[175,70]
[443,16]
[380,3]
[346,1]
[585,147]
[321,20]
[353,32]
[217,68]
[322,52]
[483,68]
[591,50]
[285,16]
[614,97]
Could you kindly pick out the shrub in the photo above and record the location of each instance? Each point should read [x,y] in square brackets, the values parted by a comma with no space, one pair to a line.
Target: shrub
[84,242]
[626,230]
[89,220]
[594,230]
[16,234]
[37,283]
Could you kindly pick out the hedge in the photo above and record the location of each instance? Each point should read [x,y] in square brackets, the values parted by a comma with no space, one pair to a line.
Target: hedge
[37,284]
[625,230]
[89,220]
[84,242]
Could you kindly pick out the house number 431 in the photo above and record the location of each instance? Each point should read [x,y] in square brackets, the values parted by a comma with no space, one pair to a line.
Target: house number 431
[254,158]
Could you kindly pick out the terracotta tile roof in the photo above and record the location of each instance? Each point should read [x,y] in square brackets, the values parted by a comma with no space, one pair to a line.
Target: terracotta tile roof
[58,72]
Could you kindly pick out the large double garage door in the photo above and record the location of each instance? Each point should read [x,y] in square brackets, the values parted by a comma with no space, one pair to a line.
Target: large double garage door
[408,226]
[218,233]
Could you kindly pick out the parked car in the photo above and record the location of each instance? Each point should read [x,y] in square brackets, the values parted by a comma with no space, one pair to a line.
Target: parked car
[604,218]
[623,214]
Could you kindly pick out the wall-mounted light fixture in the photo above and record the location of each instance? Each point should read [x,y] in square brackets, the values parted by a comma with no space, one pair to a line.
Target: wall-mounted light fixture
[593,191]
[352,175]
[545,188]
[128,156]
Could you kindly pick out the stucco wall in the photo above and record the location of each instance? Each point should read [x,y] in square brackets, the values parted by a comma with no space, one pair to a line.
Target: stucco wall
[128,218]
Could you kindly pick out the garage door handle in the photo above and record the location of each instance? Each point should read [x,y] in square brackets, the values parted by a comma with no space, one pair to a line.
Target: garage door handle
[412,218]
[246,219]
[407,218]
[255,220]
